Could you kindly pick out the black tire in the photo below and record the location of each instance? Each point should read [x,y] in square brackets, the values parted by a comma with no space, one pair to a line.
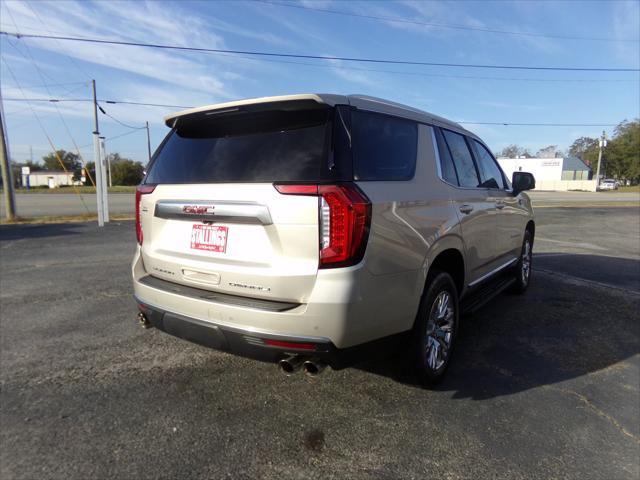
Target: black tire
[523,270]
[429,369]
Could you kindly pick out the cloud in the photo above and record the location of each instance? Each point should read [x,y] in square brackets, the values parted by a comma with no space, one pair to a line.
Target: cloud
[450,13]
[153,22]
[295,22]
[354,76]
[626,26]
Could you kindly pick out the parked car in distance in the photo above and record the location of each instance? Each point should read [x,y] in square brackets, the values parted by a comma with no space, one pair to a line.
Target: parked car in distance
[608,184]
[317,229]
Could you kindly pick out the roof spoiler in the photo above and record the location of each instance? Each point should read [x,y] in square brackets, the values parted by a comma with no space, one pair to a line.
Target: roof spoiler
[292,102]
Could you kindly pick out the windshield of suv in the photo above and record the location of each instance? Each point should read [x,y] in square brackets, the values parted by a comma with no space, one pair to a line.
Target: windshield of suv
[247,146]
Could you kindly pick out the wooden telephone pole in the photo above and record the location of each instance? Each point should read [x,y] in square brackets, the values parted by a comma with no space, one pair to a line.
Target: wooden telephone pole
[5,169]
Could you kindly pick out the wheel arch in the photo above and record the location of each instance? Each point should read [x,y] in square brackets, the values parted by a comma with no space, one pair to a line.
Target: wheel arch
[531,227]
[447,256]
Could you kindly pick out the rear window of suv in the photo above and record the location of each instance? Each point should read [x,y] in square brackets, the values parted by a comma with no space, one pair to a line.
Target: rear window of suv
[288,144]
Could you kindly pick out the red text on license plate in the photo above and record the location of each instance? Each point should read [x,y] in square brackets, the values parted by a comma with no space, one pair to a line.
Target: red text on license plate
[209,237]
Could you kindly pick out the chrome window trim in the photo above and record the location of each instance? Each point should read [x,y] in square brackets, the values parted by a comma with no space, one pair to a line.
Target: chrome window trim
[434,140]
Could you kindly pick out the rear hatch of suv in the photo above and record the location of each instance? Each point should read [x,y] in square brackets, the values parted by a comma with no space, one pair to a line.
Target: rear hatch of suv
[233,199]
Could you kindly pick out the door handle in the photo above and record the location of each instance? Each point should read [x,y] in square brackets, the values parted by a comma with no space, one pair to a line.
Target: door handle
[466,208]
[499,205]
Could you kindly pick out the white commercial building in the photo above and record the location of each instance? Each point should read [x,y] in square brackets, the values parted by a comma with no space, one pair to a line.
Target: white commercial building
[560,174]
[48,178]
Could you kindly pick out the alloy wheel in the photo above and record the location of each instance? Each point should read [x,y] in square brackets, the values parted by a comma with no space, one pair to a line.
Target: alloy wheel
[526,262]
[440,330]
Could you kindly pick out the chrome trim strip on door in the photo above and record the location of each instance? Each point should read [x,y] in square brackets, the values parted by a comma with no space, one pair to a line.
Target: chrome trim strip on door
[494,271]
[214,211]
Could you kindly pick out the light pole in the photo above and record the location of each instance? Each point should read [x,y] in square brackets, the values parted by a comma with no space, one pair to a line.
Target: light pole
[602,143]
[148,143]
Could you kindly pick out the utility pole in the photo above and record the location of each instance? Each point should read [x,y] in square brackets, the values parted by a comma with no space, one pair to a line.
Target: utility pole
[5,169]
[105,190]
[104,152]
[97,159]
[602,143]
[148,142]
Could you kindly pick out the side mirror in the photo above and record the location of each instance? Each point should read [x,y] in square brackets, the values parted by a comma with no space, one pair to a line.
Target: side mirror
[522,181]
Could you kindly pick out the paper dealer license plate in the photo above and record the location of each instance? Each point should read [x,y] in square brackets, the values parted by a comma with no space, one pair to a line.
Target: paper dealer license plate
[209,237]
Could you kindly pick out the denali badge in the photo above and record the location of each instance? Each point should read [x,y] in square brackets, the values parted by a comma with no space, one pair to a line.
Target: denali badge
[198,209]
[162,270]
[250,287]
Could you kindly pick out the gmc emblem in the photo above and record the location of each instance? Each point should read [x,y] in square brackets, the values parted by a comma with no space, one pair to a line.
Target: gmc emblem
[197,209]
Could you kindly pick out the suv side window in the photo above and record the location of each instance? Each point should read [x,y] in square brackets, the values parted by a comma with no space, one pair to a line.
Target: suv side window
[447,168]
[384,147]
[462,159]
[490,173]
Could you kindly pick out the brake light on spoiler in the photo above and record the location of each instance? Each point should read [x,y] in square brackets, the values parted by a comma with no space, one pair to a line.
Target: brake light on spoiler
[344,214]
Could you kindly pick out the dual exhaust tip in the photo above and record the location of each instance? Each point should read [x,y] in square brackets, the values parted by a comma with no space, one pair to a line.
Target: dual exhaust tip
[143,320]
[311,367]
[288,366]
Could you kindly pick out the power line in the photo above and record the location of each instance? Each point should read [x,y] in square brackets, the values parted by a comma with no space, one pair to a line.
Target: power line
[438,75]
[53,85]
[317,57]
[429,75]
[442,25]
[55,151]
[73,61]
[111,102]
[118,121]
[123,134]
[516,124]
[41,73]
[82,147]
[183,106]
[144,104]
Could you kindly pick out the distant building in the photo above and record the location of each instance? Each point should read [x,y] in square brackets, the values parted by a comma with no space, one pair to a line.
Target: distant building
[548,169]
[48,178]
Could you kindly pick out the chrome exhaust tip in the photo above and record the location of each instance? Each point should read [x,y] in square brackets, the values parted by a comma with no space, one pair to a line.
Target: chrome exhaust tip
[290,365]
[313,367]
[143,320]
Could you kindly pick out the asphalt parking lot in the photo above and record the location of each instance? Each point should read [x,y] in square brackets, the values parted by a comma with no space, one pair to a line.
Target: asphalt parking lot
[541,386]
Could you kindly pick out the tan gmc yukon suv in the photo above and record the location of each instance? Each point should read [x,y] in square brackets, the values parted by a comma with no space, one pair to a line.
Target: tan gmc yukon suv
[313,230]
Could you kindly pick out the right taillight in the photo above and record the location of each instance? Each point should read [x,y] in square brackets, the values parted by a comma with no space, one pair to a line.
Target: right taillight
[344,217]
[141,190]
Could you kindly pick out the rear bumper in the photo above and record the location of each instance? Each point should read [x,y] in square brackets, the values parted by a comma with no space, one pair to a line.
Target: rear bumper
[253,345]
[348,307]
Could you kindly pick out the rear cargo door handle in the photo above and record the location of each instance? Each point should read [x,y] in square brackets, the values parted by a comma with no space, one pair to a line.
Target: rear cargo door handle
[214,211]
[500,205]
[466,208]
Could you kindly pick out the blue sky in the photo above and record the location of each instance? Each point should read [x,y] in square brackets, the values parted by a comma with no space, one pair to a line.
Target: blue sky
[181,78]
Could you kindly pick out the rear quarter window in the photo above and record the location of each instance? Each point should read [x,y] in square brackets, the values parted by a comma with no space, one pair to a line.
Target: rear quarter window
[447,167]
[384,147]
[462,159]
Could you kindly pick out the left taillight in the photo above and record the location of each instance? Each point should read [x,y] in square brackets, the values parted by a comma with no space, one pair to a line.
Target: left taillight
[344,218]
[141,190]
